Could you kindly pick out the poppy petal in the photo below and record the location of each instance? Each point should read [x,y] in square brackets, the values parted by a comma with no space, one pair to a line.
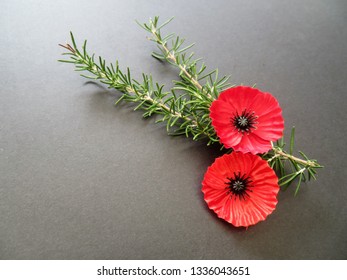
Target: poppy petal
[253,144]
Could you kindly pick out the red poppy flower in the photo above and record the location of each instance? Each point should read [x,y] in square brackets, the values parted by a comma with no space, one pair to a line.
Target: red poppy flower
[247,119]
[240,188]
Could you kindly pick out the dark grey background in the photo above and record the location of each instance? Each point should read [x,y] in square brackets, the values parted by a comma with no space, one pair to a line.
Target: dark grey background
[81,179]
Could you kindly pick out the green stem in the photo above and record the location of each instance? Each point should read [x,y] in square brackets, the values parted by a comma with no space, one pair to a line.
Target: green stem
[170,56]
[280,153]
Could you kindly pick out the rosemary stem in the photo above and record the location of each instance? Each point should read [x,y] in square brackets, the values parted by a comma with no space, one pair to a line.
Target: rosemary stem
[164,107]
[280,153]
[171,57]
[130,89]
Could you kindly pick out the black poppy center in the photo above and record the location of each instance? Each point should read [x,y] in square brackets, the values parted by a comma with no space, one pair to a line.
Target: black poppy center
[245,121]
[238,185]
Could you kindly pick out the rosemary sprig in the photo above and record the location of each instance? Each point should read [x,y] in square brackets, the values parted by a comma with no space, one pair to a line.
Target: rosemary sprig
[174,52]
[175,109]
[290,167]
[185,108]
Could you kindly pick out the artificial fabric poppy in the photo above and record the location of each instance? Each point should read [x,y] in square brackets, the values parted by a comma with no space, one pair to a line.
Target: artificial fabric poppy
[240,188]
[246,119]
